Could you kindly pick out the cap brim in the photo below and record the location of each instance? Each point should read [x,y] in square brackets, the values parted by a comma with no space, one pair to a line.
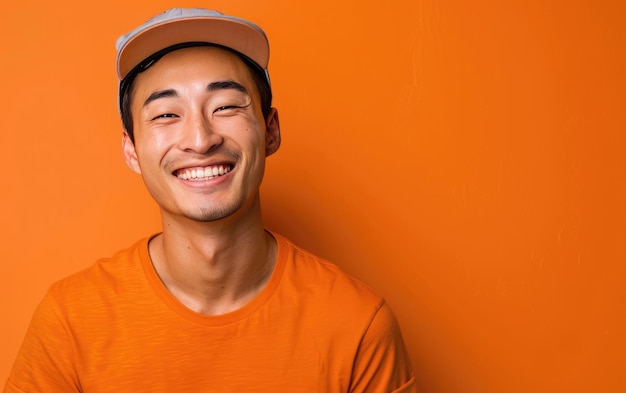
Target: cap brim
[227,32]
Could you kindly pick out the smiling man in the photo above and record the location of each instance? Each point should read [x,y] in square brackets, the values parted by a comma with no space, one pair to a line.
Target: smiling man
[215,302]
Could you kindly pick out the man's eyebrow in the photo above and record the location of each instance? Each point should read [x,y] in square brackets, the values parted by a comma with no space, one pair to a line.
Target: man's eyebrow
[221,85]
[160,94]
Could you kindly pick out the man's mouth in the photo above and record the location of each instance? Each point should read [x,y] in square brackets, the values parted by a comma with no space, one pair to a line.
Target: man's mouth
[202,173]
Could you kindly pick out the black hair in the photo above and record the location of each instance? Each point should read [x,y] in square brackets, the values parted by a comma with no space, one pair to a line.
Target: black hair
[259,77]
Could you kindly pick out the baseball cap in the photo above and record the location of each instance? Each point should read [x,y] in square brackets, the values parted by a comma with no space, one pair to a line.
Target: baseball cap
[184,25]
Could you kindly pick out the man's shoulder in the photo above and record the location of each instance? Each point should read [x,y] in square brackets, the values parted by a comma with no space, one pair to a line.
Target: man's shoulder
[310,273]
[102,276]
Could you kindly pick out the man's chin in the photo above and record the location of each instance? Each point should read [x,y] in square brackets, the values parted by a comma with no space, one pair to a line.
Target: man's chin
[212,213]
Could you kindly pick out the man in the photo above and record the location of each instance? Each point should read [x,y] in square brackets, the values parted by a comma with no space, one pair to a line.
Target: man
[214,303]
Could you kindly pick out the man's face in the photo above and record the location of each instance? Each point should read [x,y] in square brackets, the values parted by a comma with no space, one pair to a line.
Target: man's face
[200,137]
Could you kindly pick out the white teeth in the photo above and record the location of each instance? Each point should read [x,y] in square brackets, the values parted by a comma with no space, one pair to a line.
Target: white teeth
[206,173]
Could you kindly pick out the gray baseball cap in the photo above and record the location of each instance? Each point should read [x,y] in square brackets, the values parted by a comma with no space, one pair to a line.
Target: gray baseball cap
[183,25]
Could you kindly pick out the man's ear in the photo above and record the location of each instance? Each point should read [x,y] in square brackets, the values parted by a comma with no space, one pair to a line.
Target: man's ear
[130,154]
[272,133]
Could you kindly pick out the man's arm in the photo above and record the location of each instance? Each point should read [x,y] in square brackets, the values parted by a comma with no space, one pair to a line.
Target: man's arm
[45,362]
[382,363]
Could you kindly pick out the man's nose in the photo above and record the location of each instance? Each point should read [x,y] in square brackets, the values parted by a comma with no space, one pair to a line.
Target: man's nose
[199,135]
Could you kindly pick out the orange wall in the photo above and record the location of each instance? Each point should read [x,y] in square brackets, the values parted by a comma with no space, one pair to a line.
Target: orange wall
[464,158]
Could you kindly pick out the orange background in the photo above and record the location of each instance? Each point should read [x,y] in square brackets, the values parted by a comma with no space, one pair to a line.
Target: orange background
[464,158]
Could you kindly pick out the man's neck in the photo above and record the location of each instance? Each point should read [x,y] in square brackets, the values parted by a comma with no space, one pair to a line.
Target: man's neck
[214,268]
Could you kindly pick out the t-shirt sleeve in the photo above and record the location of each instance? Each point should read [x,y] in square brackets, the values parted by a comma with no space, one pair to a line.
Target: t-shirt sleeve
[382,363]
[45,362]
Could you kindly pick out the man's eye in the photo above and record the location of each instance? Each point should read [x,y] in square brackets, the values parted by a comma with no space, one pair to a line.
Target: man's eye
[165,116]
[226,107]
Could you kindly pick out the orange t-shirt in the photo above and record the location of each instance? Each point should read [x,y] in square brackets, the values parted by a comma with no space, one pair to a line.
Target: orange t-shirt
[114,327]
